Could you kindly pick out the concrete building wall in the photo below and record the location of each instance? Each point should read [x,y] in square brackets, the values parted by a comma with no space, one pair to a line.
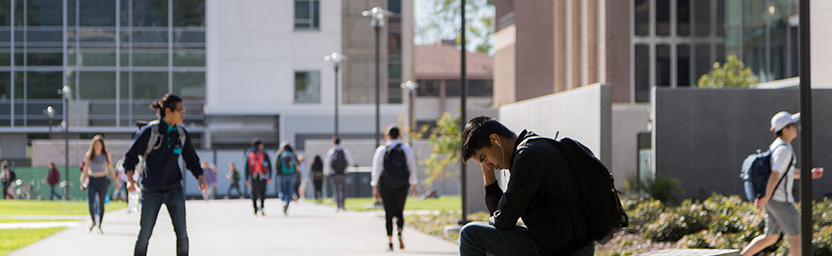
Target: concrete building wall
[44,151]
[358,43]
[701,137]
[821,35]
[627,121]
[504,66]
[583,114]
[617,59]
[535,46]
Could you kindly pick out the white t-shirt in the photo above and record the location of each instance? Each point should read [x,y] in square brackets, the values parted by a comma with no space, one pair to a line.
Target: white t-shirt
[780,158]
[378,162]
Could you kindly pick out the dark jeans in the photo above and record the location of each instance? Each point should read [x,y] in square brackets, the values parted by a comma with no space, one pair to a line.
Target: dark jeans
[258,191]
[234,185]
[53,193]
[318,186]
[174,200]
[479,238]
[339,182]
[97,186]
[393,200]
[287,186]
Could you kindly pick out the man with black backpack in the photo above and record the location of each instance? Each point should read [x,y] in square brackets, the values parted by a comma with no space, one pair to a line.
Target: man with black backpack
[335,166]
[393,175]
[778,202]
[545,189]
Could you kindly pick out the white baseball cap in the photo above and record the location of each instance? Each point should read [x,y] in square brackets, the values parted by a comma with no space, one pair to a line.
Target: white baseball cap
[783,119]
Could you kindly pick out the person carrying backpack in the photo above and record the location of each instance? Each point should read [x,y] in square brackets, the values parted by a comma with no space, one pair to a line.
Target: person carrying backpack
[287,166]
[543,189]
[781,215]
[337,160]
[161,143]
[258,174]
[393,175]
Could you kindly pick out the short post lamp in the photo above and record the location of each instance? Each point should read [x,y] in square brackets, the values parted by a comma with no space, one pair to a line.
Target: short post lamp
[410,88]
[378,16]
[336,59]
[66,92]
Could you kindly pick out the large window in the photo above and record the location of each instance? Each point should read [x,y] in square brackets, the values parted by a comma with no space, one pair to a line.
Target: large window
[642,73]
[307,15]
[307,86]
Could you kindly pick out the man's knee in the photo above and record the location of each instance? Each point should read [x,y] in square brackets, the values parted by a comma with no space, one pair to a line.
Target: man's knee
[471,230]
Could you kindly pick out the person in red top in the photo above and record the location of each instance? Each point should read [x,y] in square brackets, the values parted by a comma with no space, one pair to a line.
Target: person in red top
[52,179]
[258,174]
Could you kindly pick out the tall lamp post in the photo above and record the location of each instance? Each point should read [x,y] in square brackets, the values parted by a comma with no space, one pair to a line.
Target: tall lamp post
[66,92]
[51,114]
[463,113]
[378,16]
[336,59]
[410,88]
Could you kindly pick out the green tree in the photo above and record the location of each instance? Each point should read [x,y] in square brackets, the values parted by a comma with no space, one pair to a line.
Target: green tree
[445,19]
[446,142]
[732,73]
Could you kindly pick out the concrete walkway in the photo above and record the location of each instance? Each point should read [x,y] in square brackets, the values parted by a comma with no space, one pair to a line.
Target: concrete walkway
[228,227]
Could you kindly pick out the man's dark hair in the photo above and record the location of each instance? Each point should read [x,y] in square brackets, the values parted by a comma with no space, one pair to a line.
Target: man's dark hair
[393,131]
[336,140]
[166,102]
[475,135]
[256,142]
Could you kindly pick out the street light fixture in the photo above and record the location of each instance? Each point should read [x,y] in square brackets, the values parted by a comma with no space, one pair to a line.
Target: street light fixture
[410,88]
[51,114]
[66,92]
[336,59]
[378,16]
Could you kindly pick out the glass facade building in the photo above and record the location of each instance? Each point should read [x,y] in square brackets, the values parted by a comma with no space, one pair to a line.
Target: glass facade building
[677,41]
[117,56]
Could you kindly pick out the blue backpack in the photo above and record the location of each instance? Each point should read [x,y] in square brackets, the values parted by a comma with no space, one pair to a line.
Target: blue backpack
[756,169]
[287,164]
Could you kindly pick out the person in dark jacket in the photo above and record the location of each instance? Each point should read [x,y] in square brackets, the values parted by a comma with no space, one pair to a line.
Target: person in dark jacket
[53,178]
[540,190]
[161,176]
[258,173]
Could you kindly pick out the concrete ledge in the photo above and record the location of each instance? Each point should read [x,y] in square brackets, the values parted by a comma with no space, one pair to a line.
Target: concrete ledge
[693,252]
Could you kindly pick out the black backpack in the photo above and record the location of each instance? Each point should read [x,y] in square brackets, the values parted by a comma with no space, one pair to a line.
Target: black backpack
[756,169]
[395,174]
[598,204]
[339,161]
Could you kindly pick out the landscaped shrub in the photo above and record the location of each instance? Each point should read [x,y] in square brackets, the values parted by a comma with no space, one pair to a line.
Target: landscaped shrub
[643,214]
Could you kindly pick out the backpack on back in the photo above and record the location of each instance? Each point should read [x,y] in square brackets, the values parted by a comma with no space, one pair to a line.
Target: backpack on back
[156,138]
[339,161]
[756,169]
[396,173]
[255,161]
[287,165]
[598,204]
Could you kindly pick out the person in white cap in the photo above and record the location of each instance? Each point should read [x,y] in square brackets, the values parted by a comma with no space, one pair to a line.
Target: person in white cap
[781,215]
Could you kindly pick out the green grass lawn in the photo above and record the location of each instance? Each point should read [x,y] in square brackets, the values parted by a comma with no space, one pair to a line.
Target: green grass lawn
[13,239]
[444,203]
[34,220]
[23,207]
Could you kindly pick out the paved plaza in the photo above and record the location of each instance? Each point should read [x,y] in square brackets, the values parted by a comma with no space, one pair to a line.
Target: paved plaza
[228,227]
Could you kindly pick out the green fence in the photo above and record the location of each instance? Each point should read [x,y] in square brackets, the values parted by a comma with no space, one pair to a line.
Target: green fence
[28,174]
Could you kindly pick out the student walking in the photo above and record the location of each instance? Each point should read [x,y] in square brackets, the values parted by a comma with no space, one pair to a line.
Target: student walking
[94,178]
[287,165]
[338,158]
[317,173]
[234,180]
[53,178]
[210,180]
[393,175]
[542,189]
[781,215]
[258,174]
[161,143]
[8,178]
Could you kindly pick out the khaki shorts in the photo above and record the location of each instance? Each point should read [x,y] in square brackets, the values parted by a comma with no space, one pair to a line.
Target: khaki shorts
[781,218]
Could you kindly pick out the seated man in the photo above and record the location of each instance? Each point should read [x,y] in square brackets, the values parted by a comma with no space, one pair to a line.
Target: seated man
[540,190]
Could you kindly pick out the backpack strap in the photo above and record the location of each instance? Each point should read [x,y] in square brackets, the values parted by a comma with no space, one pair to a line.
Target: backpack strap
[784,174]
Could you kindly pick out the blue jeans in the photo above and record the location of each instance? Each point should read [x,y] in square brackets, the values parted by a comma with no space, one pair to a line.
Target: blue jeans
[174,200]
[53,193]
[287,189]
[479,238]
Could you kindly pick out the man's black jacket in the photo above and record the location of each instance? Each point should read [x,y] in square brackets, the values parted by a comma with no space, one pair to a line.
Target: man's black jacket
[541,190]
